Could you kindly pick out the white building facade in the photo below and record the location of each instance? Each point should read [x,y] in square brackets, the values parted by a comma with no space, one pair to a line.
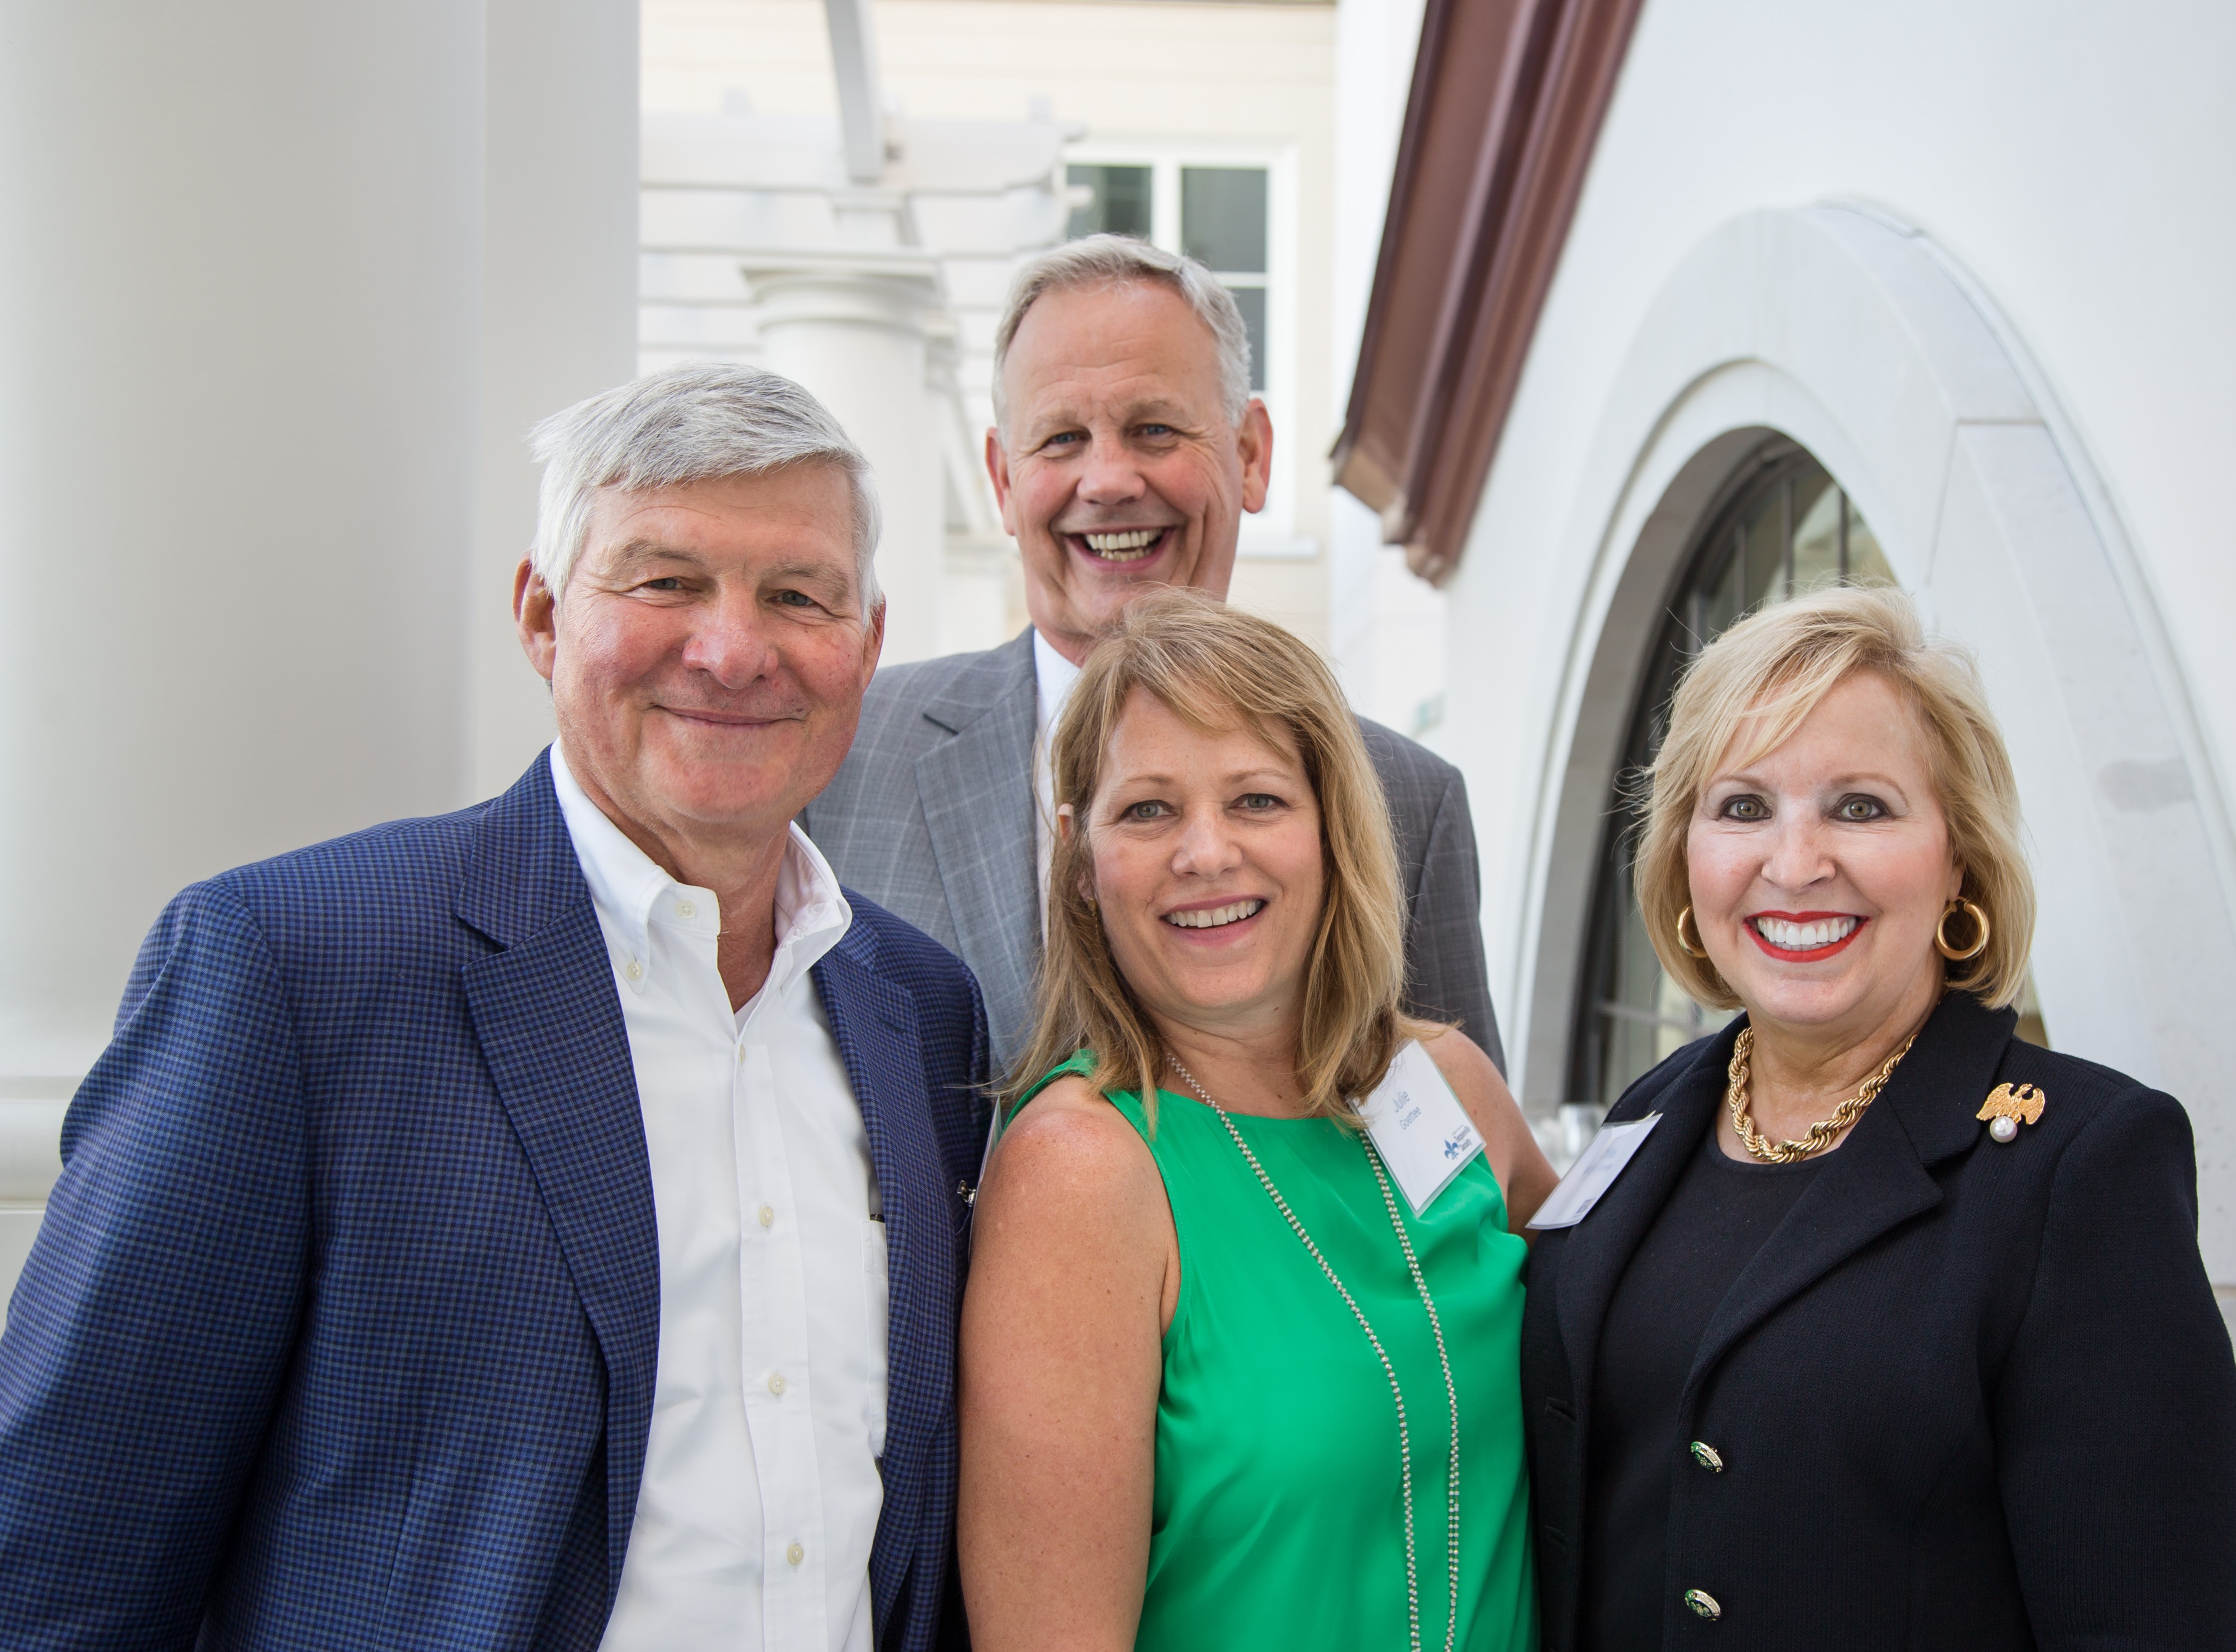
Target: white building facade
[284,289]
[1962,265]
[1931,289]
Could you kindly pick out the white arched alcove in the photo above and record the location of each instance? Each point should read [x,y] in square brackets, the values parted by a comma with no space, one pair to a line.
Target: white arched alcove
[1862,341]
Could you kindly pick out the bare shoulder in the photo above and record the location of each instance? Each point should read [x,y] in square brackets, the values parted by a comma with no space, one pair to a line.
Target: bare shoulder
[1470,1072]
[1069,1149]
[1524,1176]
[1073,1194]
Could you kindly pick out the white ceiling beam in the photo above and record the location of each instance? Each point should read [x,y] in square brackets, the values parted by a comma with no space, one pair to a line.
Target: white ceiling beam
[861,109]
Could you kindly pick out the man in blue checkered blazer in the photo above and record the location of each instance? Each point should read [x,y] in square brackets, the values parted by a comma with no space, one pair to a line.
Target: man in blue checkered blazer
[540,1227]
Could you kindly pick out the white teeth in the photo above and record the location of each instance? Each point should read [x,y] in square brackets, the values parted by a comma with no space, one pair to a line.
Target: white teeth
[1804,938]
[1215,916]
[1129,547]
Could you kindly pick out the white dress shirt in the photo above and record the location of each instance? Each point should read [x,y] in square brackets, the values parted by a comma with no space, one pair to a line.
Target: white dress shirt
[760,1493]
[1054,678]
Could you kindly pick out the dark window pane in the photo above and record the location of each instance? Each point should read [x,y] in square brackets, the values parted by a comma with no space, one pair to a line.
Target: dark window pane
[1765,553]
[1867,564]
[1223,218]
[1120,206]
[1789,514]
[1251,301]
[1816,532]
[1720,606]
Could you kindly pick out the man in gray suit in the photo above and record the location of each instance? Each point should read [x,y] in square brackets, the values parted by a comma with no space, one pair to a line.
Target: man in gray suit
[1127,448]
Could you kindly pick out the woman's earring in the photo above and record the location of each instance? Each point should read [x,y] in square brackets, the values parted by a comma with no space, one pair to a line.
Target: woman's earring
[1960,955]
[1691,948]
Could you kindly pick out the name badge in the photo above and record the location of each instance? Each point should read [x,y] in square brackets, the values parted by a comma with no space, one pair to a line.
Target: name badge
[1594,1173]
[1419,1127]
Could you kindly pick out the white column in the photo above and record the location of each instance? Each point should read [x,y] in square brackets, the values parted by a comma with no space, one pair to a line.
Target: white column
[855,336]
[241,383]
[559,312]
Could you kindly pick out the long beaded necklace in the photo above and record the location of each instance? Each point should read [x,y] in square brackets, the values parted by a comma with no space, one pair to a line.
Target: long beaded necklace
[1822,1134]
[1396,1393]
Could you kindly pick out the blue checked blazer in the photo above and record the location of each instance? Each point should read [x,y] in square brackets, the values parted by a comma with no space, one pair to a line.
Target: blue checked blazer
[340,1332]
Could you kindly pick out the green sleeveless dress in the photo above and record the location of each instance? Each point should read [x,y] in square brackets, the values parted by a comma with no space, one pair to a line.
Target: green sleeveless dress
[1278,1517]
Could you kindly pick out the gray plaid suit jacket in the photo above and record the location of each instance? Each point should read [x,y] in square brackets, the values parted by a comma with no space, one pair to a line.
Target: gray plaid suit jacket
[932,817]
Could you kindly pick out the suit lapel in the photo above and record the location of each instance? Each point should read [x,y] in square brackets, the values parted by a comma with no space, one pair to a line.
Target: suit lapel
[551,1031]
[976,790]
[1877,1179]
[1594,1253]
[872,1022]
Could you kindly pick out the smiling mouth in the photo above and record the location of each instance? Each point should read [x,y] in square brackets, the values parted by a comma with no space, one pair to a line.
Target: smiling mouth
[1806,937]
[1127,545]
[1216,917]
[709,718]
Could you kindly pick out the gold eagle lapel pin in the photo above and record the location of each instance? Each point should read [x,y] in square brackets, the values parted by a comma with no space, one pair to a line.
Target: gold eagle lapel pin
[2006,1105]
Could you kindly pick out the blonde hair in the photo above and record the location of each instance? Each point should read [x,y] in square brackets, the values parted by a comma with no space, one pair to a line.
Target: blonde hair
[1773,668]
[1216,667]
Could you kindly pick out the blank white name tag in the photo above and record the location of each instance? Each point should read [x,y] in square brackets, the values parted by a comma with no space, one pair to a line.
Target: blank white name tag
[1594,1173]
[1422,1133]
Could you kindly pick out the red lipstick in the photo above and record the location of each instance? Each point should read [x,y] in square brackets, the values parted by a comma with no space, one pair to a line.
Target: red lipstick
[1810,955]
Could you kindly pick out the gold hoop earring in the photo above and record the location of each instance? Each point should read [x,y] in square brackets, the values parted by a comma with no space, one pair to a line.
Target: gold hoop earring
[1687,947]
[1955,955]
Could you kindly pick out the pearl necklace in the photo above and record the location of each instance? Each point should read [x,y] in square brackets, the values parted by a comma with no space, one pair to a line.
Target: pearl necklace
[1396,1393]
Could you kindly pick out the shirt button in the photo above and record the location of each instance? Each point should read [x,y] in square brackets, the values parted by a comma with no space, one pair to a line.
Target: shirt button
[1707,1456]
[795,1554]
[767,1216]
[1703,1604]
[634,970]
[685,909]
[776,1382]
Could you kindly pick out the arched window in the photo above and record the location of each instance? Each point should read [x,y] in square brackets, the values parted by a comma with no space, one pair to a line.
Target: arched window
[1782,525]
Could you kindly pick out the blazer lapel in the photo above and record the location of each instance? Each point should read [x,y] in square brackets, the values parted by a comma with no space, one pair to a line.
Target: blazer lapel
[1877,1179]
[551,1031]
[872,1022]
[977,790]
[1595,1252]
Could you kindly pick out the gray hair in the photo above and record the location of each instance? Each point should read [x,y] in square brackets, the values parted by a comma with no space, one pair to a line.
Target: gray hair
[1119,260]
[691,424]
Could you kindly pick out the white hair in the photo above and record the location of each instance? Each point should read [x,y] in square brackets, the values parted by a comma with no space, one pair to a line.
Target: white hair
[1119,260]
[693,423]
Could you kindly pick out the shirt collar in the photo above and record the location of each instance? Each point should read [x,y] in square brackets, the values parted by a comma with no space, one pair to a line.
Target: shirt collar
[1056,677]
[631,891]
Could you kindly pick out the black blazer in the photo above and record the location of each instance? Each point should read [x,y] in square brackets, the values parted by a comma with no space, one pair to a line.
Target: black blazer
[1970,1395]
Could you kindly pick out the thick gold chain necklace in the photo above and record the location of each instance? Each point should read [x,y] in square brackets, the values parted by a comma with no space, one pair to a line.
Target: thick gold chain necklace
[1822,1134]
[1389,1370]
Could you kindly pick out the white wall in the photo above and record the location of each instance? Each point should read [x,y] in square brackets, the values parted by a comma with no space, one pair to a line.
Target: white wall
[2069,164]
[558,312]
[243,247]
[238,292]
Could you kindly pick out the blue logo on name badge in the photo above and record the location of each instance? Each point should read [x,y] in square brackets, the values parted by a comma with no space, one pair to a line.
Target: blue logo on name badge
[1452,1144]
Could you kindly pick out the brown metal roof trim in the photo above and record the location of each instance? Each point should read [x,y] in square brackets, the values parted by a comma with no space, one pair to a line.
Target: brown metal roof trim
[1507,100]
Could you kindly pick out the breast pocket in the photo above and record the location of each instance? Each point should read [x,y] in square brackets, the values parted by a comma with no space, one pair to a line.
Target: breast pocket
[877,1301]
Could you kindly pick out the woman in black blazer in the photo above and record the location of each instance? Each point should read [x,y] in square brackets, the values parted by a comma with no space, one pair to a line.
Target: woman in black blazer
[1894,1331]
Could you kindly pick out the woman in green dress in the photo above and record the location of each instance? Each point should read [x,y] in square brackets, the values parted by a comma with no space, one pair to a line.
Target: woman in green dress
[1238,1356]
